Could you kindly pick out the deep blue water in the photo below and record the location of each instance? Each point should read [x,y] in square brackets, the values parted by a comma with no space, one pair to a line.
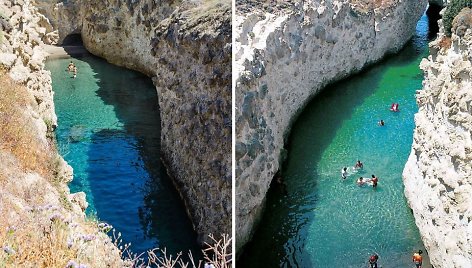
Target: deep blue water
[109,132]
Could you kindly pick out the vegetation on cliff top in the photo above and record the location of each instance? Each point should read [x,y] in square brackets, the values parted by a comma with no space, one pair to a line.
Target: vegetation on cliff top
[37,228]
[16,133]
[452,9]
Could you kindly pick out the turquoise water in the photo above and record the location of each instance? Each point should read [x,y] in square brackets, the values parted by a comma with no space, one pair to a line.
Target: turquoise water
[324,221]
[109,132]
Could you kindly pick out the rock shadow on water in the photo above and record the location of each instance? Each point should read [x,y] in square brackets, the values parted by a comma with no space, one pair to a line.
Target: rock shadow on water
[276,218]
[129,183]
[287,247]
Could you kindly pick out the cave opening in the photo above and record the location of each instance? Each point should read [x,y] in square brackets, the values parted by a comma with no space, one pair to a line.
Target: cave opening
[433,17]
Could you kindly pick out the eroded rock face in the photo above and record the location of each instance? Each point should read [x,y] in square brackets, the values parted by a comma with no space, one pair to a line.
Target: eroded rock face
[283,60]
[20,52]
[438,174]
[186,48]
[38,195]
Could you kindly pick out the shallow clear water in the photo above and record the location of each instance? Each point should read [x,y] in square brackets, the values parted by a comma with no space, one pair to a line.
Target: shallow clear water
[109,132]
[324,221]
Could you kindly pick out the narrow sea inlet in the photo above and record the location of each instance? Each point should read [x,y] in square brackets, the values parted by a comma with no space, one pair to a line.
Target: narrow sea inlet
[321,220]
[109,132]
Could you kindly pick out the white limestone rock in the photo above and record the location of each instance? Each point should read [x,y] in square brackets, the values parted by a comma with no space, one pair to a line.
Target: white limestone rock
[438,174]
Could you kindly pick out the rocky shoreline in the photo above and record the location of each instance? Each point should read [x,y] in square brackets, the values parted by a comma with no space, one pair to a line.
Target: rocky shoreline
[36,196]
[437,176]
[275,77]
[186,49]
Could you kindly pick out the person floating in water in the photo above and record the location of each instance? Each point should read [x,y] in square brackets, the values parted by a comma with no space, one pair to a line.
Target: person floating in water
[344,173]
[373,261]
[418,259]
[280,183]
[381,123]
[71,66]
[360,181]
[394,107]
[374,181]
[359,165]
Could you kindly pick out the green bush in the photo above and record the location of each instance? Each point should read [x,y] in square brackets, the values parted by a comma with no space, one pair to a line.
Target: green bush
[453,8]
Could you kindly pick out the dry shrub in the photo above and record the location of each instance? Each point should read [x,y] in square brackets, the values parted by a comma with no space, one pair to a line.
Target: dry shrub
[216,254]
[47,237]
[16,129]
[35,241]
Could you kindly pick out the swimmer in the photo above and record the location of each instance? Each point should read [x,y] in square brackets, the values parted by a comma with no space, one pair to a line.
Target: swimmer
[280,183]
[359,165]
[374,181]
[381,123]
[75,72]
[71,66]
[394,107]
[344,173]
[418,259]
[360,181]
[373,261]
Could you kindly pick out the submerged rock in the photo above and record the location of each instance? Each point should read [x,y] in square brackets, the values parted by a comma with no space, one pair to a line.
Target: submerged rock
[77,133]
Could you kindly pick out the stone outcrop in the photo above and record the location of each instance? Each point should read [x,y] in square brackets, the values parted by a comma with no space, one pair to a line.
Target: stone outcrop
[283,58]
[21,53]
[438,174]
[186,48]
[35,202]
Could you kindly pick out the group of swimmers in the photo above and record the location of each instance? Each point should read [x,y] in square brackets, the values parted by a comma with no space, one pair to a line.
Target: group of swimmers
[417,260]
[72,69]
[361,182]
[393,108]
[374,180]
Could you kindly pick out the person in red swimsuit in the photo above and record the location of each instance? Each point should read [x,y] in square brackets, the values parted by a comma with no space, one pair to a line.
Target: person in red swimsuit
[418,259]
[374,181]
[373,261]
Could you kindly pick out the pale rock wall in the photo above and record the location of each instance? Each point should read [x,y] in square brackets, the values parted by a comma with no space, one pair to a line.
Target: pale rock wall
[282,61]
[438,174]
[64,16]
[21,52]
[185,46]
[27,195]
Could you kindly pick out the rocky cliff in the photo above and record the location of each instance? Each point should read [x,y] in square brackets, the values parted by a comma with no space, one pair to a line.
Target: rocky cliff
[284,56]
[42,223]
[186,47]
[438,174]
